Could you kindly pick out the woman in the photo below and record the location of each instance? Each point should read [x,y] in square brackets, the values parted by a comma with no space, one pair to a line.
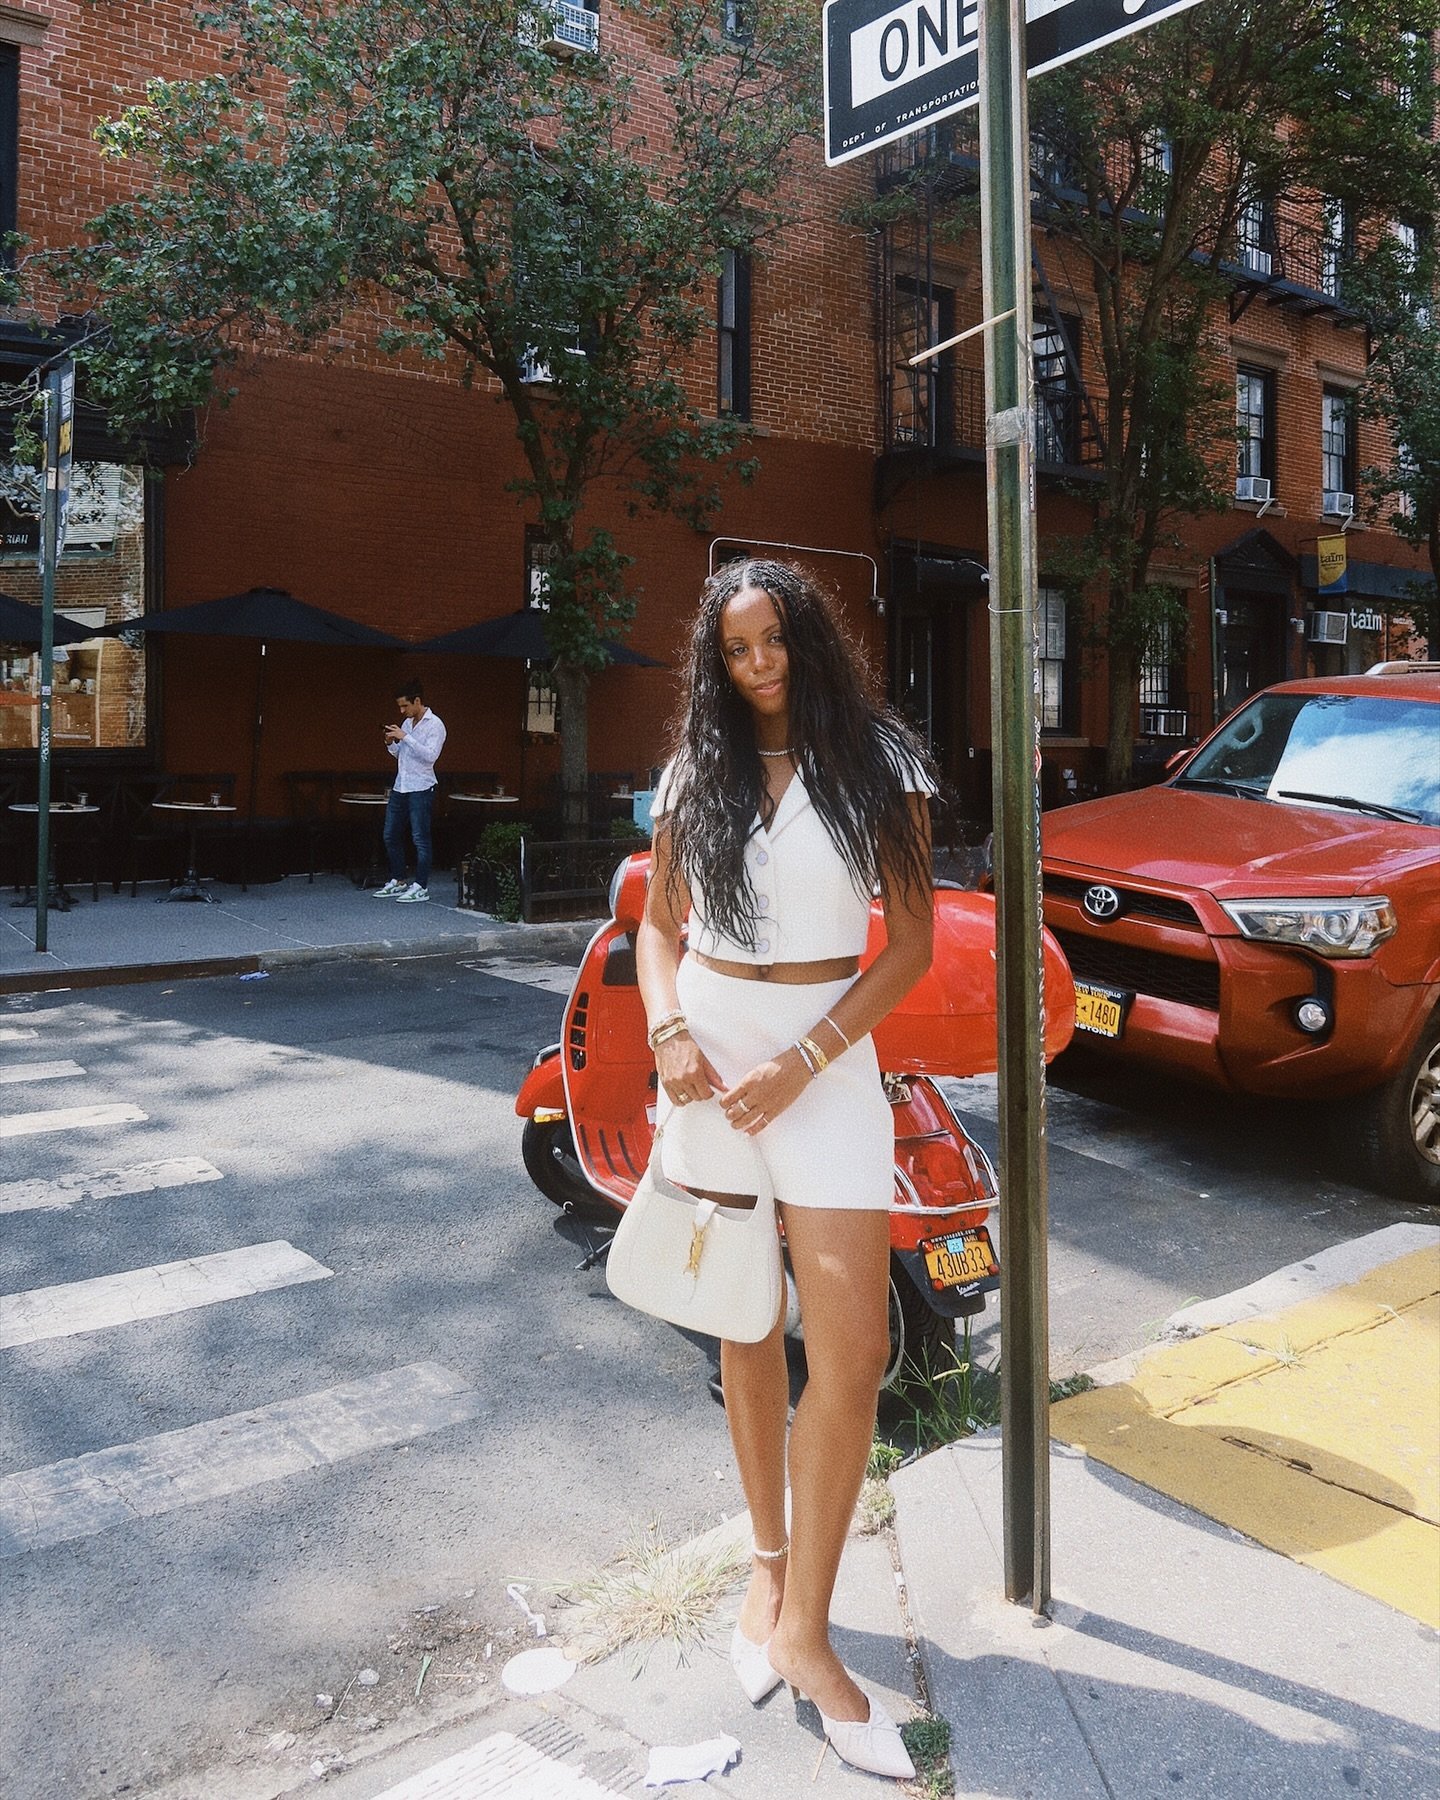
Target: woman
[791,796]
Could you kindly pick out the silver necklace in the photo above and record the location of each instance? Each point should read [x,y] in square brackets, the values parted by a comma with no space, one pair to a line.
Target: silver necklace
[776,752]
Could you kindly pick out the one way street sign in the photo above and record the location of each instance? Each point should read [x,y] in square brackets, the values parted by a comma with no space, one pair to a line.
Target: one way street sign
[892,68]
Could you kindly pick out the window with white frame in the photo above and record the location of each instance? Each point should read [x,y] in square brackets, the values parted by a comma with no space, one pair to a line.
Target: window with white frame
[1050,642]
[1335,247]
[1337,441]
[1254,422]
[1255,233]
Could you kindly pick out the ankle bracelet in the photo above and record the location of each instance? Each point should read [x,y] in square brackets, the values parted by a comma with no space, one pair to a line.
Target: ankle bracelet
[770,1555]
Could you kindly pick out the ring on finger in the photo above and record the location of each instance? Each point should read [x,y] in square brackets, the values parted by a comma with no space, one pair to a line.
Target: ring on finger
[682,1099]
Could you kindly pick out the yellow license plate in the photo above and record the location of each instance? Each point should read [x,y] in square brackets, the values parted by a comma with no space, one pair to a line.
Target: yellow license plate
[1100,1010]
[961,1258]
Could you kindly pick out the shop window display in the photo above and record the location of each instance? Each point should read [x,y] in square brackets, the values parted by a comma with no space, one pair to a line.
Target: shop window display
[99,684]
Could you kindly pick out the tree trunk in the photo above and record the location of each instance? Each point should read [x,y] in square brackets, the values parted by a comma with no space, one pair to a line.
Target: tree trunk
[1120,750]
[572,686]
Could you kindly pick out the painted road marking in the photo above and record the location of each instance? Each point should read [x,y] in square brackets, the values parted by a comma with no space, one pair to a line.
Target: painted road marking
[153,1293]
[14,1073]
[17,1034]
[555,978]
[500,1767]
[85,1494]
[104,1184]
[68,1118]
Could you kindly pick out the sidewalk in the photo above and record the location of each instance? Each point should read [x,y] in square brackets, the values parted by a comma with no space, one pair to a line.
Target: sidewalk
[1182,1655]
[285,922]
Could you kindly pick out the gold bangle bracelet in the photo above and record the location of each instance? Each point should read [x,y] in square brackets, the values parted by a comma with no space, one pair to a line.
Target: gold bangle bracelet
[822,1061]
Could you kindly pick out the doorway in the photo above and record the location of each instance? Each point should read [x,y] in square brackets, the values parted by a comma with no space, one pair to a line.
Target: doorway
[1250,641]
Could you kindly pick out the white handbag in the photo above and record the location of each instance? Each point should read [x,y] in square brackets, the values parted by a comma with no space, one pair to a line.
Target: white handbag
[710,1268]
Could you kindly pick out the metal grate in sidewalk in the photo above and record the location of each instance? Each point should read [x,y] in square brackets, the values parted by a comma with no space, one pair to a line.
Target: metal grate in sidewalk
[501,1767]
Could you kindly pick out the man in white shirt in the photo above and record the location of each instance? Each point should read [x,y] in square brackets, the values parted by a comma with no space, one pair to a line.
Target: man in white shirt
[415,743]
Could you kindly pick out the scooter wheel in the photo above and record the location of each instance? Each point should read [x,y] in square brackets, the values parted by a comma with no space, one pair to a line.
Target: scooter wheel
[547,1148]
[922,1344]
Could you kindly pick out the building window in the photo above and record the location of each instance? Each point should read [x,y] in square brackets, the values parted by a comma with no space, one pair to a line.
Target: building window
[1337,442]
[738,26]
[921,398]
[1058,396]
[542,717]
[99,694]
[1255,234]
[9,143]
[1255,422]
[1050,642]
[1336,247]
[1162,684]
[733,317]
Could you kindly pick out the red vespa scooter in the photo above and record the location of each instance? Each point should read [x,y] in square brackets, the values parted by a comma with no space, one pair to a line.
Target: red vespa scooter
[589,1107]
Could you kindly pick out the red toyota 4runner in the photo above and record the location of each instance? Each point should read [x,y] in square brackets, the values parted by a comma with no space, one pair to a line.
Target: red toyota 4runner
[1268,919]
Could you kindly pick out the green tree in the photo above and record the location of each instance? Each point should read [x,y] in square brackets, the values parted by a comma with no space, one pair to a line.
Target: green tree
[1403,392]
[429,171]
[1150,162]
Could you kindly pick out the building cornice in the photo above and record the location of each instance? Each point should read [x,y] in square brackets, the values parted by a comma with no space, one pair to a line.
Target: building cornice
[18,25]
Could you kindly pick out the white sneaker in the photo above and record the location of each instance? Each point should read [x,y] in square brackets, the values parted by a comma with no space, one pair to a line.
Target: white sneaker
[392,890]
[413,892]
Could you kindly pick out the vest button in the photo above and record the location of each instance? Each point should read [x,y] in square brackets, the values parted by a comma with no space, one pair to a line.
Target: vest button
[762,857]
[763,903]
[763,945]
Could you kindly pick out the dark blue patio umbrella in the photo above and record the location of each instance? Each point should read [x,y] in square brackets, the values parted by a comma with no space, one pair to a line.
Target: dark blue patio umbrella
[522,636]
[20,623]
[273,616]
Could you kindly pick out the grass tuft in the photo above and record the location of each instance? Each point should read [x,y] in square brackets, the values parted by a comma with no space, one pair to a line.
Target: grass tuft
[653,1593]
[928,1741]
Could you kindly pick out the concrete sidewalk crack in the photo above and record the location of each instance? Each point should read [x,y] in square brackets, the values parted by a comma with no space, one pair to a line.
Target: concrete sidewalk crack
[1058,1678]
[1344,1487]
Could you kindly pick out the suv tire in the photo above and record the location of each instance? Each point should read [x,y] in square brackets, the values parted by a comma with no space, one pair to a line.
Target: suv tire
[1396,1129]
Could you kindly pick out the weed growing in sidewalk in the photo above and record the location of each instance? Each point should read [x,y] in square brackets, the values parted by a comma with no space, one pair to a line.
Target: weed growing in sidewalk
[653,1592]
[928,1741]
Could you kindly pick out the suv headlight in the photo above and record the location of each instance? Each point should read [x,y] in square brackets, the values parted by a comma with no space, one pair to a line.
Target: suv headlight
[1328,927]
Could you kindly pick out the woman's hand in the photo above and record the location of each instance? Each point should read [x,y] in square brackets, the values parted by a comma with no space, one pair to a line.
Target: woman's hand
[766,1091]
[685,1071]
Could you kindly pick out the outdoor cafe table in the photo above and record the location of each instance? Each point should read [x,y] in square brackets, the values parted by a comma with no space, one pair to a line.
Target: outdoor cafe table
[190,887]
[370,875]
[60,896]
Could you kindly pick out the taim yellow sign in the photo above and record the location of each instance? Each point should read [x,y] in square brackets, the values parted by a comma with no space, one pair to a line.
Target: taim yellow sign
[1331,560]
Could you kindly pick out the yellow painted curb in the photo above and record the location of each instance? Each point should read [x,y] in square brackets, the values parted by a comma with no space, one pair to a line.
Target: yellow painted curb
[1315,1431]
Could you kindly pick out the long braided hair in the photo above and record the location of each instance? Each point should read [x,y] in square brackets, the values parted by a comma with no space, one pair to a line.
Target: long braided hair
[851,752]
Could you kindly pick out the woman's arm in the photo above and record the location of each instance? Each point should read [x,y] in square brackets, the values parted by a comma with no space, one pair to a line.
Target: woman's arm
[909,943]
[682,1068]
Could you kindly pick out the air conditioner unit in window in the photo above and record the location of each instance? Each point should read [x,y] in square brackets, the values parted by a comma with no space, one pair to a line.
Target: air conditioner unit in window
[1164,721]
[534,370]
[562,28]
[1252,487]
[1257,261]
[1329,627]
[1338,504]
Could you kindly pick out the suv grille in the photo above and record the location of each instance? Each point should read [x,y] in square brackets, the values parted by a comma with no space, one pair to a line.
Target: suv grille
[1133,903]
[1142,971]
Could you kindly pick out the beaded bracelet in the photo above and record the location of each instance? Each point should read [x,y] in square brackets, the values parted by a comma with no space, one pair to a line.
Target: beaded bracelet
[806,1056]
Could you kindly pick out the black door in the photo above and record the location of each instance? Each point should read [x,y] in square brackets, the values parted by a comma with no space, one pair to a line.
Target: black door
[1251,646]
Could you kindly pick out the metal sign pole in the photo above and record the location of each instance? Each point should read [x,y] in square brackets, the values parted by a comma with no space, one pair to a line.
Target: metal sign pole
[1015,738]
[49,556]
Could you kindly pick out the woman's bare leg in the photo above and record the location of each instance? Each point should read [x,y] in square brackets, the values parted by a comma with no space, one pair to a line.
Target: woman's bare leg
[756,1381]
[841,1263]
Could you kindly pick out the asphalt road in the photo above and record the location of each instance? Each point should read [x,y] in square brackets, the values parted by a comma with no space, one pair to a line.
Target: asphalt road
[362,1113]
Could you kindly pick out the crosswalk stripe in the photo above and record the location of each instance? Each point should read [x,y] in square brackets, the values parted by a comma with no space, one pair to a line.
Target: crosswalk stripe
[85,1494]
[500,1767]
[17,1034]
[554,978]
[104,1184]
[14,1073]
[68,1118]
[153,1293]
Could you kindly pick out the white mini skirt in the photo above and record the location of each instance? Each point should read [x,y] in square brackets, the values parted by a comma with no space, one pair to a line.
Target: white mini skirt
[835,1147]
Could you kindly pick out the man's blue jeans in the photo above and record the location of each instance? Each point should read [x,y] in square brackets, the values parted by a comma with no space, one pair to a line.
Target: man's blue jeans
[407,816]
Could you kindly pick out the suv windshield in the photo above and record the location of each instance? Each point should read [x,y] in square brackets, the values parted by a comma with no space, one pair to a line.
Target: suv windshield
[1358,751]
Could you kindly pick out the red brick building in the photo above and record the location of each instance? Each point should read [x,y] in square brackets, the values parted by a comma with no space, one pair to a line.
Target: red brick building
[378,490]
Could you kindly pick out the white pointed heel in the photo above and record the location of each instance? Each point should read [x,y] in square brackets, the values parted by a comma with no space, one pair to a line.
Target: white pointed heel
[751,1663]
[872,1744]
